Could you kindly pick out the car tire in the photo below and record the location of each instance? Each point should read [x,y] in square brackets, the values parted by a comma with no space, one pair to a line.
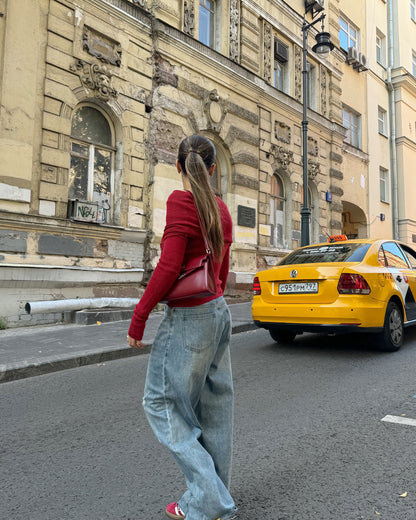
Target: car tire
[282,336]
[391,339]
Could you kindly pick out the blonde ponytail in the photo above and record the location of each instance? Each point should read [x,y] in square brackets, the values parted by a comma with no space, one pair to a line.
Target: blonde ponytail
[196,155]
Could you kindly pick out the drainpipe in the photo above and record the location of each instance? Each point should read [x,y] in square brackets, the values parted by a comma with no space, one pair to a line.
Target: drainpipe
[78,304]
[392,136]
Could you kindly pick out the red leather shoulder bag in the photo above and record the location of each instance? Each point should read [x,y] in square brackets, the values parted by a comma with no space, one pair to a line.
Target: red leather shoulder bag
[197,277]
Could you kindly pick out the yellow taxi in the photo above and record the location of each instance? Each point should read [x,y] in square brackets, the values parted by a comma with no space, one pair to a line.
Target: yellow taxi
[337,287]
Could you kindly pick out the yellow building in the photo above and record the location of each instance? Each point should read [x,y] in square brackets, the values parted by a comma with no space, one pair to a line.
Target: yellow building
[379,113]
[95,98]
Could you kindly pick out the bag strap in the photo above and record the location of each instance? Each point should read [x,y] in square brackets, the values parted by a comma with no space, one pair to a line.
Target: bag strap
[207,248]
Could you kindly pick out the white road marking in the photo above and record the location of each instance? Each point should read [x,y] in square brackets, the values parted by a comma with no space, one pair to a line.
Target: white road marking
[399,420]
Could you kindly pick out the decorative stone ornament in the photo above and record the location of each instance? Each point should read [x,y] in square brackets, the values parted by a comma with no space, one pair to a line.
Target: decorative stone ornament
[324,109]
[313,168]
[188,17]
[214,111]
[282,157]
[267,39]
[95,77]
[234,22]
[313,146]
[282,132]
[298,73]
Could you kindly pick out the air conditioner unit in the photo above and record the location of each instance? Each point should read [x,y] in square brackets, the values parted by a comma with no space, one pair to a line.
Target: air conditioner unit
[281,51]
[362,60]
[352,57]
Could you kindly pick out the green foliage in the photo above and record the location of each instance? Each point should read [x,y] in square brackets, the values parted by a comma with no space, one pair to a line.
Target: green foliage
[3,323]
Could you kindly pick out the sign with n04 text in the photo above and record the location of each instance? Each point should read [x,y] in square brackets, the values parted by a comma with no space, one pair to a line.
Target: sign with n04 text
[85,211]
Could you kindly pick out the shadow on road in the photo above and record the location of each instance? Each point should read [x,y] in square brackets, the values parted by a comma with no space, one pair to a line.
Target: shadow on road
[339,344]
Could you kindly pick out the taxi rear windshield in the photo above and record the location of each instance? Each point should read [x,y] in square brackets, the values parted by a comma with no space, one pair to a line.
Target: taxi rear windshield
[345,252]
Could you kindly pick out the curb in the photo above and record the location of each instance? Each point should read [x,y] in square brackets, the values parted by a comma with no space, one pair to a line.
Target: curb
[31,368]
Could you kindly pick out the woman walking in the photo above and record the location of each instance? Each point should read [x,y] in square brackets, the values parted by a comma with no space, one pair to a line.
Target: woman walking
[188,396]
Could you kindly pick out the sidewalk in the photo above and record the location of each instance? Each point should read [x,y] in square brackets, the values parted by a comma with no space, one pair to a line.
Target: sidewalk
[32,351]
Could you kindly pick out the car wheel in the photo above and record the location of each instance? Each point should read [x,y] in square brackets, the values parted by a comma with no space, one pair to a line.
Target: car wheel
[282,336]
[391,339]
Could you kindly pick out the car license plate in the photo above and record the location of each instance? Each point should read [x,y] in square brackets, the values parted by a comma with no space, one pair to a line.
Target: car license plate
[301,287]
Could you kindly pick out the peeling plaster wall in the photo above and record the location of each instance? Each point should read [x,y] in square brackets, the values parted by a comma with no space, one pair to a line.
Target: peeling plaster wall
[141,64]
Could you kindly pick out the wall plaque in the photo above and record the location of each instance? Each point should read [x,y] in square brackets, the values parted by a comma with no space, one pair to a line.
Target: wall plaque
[102,47]
[246,216]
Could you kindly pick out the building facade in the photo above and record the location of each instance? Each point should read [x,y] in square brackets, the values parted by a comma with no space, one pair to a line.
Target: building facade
[96,96]
[378,39]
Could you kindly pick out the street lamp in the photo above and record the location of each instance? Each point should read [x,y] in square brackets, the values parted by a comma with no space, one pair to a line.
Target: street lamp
[322,47]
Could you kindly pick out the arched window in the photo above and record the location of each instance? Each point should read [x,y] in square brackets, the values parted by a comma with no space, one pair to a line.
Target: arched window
[92,162]
[277,212]
[215,178]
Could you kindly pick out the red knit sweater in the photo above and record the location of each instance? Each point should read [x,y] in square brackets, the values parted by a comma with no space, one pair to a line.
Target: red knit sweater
[182,240]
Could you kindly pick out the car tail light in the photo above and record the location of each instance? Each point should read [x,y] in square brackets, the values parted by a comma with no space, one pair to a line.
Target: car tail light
[256,286]
[351,283]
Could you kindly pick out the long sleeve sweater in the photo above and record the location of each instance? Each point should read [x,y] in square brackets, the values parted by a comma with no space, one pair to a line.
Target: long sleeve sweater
[182,239]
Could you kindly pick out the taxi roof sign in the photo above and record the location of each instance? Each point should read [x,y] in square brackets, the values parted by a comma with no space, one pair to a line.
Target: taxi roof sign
[337,238]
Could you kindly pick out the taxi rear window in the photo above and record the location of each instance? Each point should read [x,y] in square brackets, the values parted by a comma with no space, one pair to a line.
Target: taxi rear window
[336,252]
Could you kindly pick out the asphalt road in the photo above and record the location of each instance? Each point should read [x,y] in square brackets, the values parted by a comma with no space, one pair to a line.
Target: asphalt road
[309,440]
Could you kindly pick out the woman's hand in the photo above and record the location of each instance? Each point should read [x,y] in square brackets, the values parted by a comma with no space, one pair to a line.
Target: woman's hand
[135,343]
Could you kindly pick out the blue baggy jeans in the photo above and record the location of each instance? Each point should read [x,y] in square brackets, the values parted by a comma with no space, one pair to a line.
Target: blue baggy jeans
[188,400]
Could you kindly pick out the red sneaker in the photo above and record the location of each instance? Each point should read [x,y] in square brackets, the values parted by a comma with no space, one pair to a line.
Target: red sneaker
[174,511]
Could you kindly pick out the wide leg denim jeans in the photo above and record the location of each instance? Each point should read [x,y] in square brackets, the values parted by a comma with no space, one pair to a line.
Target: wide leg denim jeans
[188,400]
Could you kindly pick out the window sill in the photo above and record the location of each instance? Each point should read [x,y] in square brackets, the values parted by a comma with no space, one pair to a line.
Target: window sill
[96,224]
[353,150]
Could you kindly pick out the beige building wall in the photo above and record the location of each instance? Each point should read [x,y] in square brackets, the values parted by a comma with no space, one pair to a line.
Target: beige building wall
[141,66]
[354,101]
[227,93]
[56,57]
[404,84]
[391,87]
[378,139]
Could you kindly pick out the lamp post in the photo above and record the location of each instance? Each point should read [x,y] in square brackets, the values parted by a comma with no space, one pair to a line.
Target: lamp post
[322,47]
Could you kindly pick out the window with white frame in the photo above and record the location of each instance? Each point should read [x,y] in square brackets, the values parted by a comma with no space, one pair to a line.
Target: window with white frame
[280,65]
[277,212]
[384,185]
[382,121]
[92,158]
[352,123]
[381,48]
[348,34]
[207,15]
[413,10]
